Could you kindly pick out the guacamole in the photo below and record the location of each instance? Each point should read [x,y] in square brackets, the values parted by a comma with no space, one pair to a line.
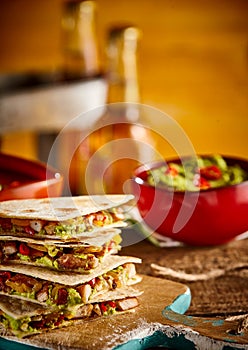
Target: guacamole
[200,173]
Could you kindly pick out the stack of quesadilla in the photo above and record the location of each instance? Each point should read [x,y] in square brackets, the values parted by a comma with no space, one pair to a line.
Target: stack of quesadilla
[59,262]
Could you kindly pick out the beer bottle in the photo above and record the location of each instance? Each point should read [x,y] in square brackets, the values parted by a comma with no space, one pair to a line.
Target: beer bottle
[105,160]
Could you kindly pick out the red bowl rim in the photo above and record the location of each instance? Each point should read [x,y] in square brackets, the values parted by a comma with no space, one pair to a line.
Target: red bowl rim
[37,171]
[145,167]
[20,165]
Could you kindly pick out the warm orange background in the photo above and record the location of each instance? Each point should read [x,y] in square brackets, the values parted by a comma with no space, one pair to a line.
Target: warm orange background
[193,61]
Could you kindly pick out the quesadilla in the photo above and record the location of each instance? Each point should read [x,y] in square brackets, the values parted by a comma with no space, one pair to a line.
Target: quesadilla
[23,318]
[65,290]
[62,218]
[59,262]
[80,256]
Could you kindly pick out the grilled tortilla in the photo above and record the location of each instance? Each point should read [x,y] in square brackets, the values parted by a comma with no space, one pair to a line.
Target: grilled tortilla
[23,318]
[80,256]
[62,217]
[65,290]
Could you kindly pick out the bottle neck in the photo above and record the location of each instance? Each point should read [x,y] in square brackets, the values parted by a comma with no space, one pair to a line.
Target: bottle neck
[81,57]
[122,74]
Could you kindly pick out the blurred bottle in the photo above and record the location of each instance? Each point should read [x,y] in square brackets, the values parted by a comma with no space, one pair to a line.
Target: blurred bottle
[80,52]
[80,45]
[105,160]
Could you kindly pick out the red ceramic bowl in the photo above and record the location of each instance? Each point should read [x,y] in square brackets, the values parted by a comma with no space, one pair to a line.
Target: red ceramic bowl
[22,178]
[208,217]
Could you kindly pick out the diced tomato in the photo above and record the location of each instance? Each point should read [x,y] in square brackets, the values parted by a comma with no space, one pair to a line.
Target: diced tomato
[5,275]
[204,184]
[104,218]
[171,171]
[211,172]
[111,244]
[92,282]
[29,230]
[112,304]
[103,307]
[24,249]
[201,182]
[59,320]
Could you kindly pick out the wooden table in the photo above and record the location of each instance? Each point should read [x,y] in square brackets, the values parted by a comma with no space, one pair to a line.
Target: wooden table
[213,300]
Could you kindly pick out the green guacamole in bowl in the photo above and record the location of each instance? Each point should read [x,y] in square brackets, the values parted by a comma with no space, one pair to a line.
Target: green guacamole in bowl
[194,174]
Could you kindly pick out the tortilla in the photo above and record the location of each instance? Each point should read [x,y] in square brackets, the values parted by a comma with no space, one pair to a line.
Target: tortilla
[60,208]
[97,239]
[65,290]
[70,278]
[62,218]
[71,255]
[24,318]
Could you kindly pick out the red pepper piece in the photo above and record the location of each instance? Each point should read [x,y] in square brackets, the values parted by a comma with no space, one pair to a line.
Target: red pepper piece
[211,172]
[111,245]
[24,250]
[171,171]
[201,182]
[103,307]
[92,282]
[59,320]
[112,304]
[5,275]
[29,230]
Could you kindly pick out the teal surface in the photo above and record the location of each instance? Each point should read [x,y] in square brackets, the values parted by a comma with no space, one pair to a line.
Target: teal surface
[178,342]
[158,339]
[10,345]
[181,304]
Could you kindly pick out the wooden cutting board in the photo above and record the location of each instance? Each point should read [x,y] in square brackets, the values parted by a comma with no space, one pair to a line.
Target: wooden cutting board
[159,320]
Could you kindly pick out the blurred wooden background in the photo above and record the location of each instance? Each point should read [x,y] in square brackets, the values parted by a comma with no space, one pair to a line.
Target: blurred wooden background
[193,61]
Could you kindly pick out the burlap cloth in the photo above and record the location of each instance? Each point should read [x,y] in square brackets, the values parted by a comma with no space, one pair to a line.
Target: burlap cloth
[216,276]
